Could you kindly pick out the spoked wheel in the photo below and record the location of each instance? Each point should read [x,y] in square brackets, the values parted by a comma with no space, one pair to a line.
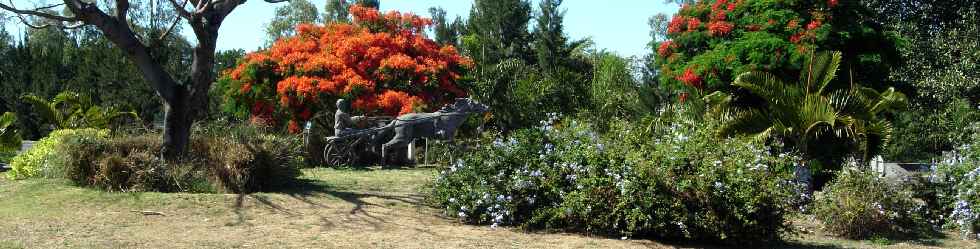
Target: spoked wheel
[340,152]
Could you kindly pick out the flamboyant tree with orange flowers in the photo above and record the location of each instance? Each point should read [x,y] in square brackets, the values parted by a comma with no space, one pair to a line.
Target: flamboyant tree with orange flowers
[384,63]
[710,42]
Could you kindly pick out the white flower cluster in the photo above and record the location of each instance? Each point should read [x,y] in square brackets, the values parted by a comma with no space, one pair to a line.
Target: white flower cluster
[964,216]
[498,213]
[548,124]
[501,144]
[621,178]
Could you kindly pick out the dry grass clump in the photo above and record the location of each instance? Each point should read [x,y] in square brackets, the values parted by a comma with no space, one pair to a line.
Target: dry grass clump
[241,161]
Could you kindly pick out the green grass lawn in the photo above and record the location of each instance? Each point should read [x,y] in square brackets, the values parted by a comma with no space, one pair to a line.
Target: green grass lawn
[326,209]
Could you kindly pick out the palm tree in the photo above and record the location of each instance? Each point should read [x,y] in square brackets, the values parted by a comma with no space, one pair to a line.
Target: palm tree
[71,110]
[9,139]
[800,112]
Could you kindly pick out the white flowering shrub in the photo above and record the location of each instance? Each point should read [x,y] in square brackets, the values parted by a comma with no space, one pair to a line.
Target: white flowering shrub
[956,181]
[859,204]
[679,182]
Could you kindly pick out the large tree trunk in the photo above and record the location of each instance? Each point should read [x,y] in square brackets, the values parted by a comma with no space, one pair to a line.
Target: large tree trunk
[190,103]
[177,126]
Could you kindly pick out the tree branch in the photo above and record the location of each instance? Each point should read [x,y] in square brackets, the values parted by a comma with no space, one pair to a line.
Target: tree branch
[181,11]
[37,12]
[122,7]
[47,7]
[172,25]
[205,6]
[46,25]
[118,31]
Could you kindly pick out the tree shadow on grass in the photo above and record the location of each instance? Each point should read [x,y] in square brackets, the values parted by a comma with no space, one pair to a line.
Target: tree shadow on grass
[773,245]
[681,243]
[312,193]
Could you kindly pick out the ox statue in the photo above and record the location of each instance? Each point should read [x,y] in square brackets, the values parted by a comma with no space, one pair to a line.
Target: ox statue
[440,125]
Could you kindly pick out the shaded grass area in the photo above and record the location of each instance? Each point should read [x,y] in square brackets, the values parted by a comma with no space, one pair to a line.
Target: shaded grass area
[326,208]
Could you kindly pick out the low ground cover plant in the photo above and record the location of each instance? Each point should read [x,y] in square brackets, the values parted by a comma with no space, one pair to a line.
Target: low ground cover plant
[859,205]
[678,181]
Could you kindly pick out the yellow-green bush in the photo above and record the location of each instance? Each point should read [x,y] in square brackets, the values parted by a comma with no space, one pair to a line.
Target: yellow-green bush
[39,159]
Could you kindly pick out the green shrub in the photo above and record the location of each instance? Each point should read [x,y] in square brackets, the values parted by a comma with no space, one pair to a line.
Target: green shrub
[677,182]
[6,156]
[240,160]
[924,133]
[443,153]
[861,205]
[9,136]
[37,161]
[956,180]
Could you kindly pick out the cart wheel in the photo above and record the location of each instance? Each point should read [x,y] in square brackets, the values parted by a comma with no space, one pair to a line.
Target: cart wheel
[353,151]
[351,157]
[334,154]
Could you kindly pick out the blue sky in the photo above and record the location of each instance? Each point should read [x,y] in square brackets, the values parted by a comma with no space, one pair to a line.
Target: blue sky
[615,25]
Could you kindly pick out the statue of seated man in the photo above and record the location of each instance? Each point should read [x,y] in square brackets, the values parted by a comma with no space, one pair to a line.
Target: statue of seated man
[344,124]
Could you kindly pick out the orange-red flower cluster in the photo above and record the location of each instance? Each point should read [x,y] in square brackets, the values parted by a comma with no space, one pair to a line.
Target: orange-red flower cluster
[262,113]
[720,9]
[814,24]
[793,24]
[397,102]
[690,78]
[392,20]
[796,38]
[720,28]
[676,24]
[384,62]
[665,48]
[693,24]
[294,127]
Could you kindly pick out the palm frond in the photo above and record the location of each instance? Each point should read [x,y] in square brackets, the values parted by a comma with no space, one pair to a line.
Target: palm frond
[889,100]
[113,115]
[45,109]
[71,99]
[817,115]
[768,87]
[878,135]
[717,101]
[7,120]
[747,121]
[649,99]
[9,138]
[820,70]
